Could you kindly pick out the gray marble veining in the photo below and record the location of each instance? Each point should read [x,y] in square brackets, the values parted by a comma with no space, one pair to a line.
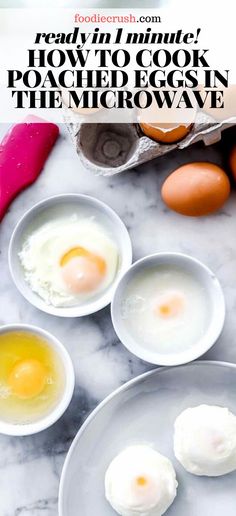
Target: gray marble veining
[30,467]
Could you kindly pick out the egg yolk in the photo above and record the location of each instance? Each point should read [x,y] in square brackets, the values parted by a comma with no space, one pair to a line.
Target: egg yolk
[171,306]
[141,481]
[82,271]
[27,379]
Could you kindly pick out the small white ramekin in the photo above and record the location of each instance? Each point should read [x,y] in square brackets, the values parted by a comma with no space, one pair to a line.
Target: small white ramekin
[47,210]
[204,276]
[63,402]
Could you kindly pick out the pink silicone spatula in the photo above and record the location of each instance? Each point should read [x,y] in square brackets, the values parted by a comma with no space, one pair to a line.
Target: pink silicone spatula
[23,152]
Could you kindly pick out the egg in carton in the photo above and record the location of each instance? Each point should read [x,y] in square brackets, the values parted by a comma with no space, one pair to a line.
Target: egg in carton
[111,148]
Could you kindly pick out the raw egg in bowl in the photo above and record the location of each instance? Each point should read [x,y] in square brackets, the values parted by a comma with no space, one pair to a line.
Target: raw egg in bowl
[67,253]
[36,379]
[168,309]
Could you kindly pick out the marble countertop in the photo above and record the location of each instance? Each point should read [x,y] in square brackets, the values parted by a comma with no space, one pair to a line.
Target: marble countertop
[30,467]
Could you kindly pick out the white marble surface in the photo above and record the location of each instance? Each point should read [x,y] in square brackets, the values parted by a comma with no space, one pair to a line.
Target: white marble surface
[30,467]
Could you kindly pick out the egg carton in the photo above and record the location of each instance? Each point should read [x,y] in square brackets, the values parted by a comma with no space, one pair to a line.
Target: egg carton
[111,148]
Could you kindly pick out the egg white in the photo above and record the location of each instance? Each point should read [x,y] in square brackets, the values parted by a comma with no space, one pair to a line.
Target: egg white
[205,440]
[152,499]
[43,249]
[149,289]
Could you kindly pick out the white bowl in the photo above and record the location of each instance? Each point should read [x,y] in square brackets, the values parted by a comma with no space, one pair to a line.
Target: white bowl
[59,409]
[49,209]
[216,298]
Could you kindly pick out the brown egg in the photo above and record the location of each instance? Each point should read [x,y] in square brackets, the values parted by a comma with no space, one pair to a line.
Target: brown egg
[196,189]
[232,161]
[166,125]
[165,133]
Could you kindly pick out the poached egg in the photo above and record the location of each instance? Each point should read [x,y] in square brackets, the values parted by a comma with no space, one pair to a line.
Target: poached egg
[69,260]
[140,481]
[205,440]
